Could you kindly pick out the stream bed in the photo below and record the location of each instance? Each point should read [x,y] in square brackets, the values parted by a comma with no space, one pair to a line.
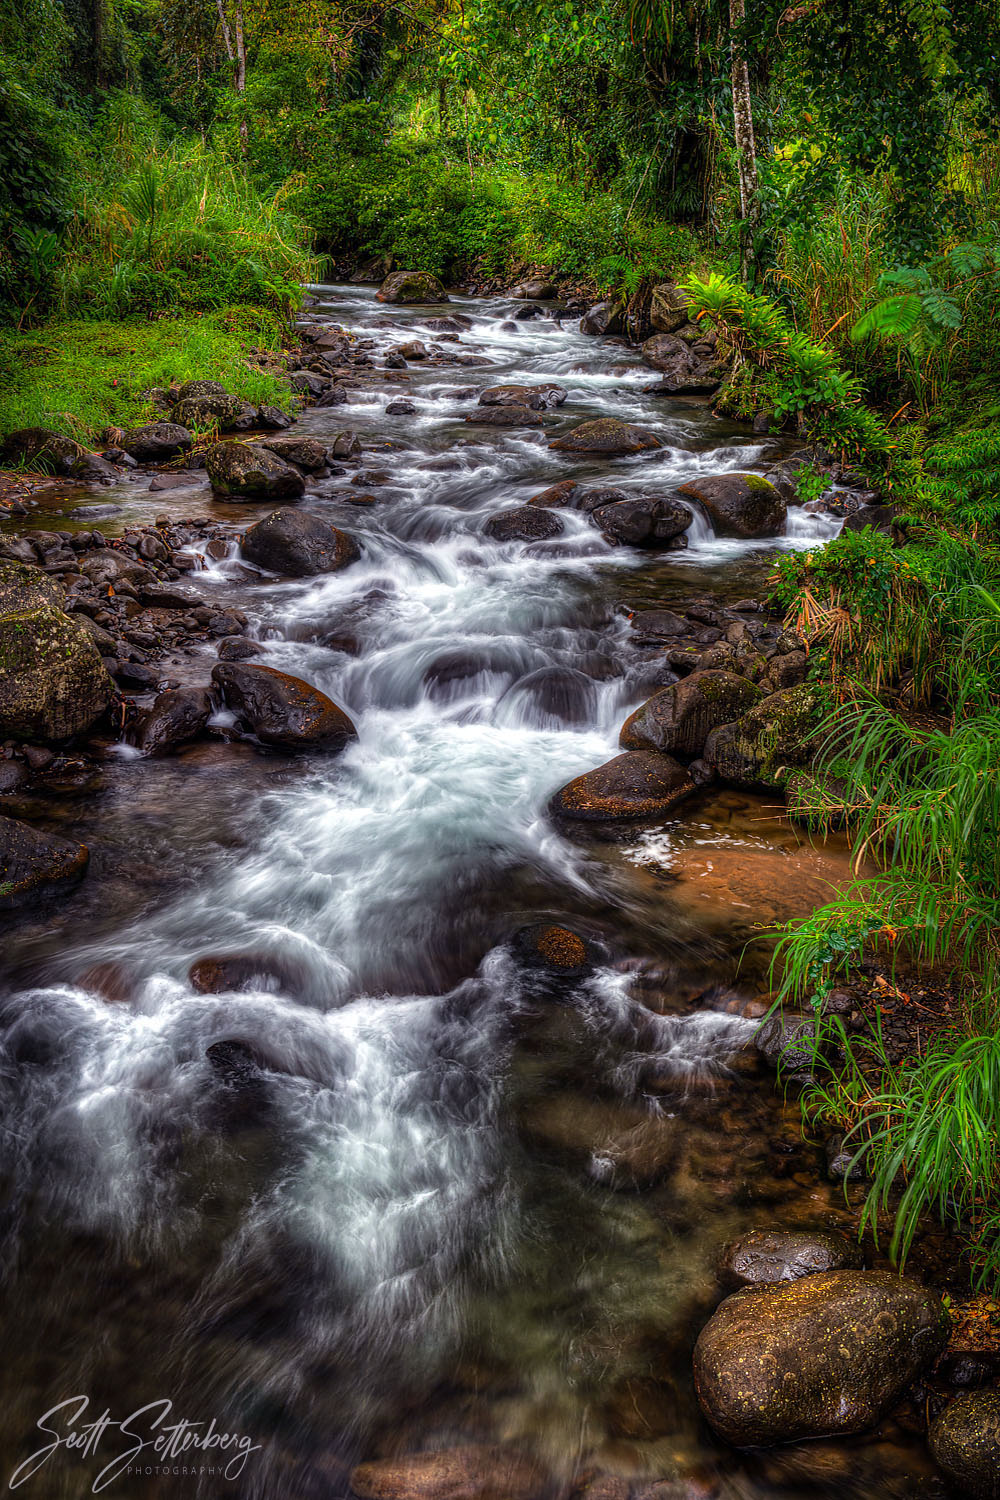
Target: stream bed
[448,1210]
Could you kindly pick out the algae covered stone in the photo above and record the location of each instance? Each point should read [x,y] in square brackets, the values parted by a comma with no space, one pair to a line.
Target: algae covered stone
[744,505]
[680,718]
[53,683]
[965,1442]
[411,286]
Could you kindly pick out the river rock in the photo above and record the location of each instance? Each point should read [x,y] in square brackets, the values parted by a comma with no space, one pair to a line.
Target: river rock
[506,416]
[282,711]
[156,442]
[177,716]
[23,587]
[668,308]
[824,1355]
[40,448]
[248,471]
[680,717]
[298,544]
[786,1042]
[524,524]
[411,286]
[775,736]
[602,318]
[34,864]
[653,627]
[549,698]
[53,683]
[744,505]
[91,469]
[557,495]
[273,418]
[642,522]
[765,1256]
[536,291]
[639,784]
[556,951]
[965,1442]
[606,435]
[211,409]
[477,1472]
[538,397]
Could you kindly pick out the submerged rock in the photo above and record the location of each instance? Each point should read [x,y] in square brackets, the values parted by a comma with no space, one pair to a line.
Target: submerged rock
[298,544]
[505,416]
[282,711]
[680,718]
[411,286]
[638,784]
[538,397]
[965,1442]
[824,1355]
[606,435]
[34,864]
[772,1255]
[249,471]
[744,505]
[477,1472]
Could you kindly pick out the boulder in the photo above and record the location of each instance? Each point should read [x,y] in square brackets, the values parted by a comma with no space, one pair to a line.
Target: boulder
[505,416]
[643,521]
[965,1442]
[23,587]
[536,291]
[680,718]
[524,524]
[400,409]
[476,1472]
[34,864]
[227,413]
[53,683]
[298,544]
[91,469]
[306,453]
[769,741]
[602,318]
[537,397]
[653,627]
[273,418]
[606,435]
[177,716]
[194,388]
[41,449]
[765,1256]
[744,505]
[557,495]
[308,383]
[155,442]
[555,951]
[821,1356]
[411,286]
[282,711]
[248,471]
[668,308]
[639,784]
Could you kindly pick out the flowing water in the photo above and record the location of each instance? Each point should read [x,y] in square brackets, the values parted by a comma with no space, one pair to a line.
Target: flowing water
[447,1207]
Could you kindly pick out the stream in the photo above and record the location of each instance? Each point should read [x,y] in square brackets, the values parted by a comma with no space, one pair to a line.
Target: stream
[444,1208]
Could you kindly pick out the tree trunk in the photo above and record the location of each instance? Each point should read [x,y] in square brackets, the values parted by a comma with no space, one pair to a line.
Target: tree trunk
[442,105]
[746,147]
[240,75]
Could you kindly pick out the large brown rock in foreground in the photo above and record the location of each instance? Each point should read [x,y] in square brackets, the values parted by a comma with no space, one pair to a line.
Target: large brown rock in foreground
[411,286]
[607,435]
[824,1355]
[282,711]
[478,1472]
[34,864]
[744,505]
[298,544]
[680,718]
[639,784]
[53,683]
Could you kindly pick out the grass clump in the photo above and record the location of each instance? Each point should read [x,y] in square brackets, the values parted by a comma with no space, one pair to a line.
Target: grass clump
[78,377]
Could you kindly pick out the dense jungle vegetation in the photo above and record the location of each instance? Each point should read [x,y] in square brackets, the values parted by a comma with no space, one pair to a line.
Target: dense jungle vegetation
[823,178]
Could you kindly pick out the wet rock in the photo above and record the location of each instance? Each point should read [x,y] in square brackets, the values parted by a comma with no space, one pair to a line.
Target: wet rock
[557,495]
[135,675]
[238,648]
[621,1145]
[155,442]
[345,445]
[680,718]
[524,524]
[643,521]
[307,383]
[505,416]
[536,291]
[843,1162]
[668,308]
[119,458]
[770,1255]
[744,505]
[448,674]
[965,1442]
[786,1042]
[411,286]
[651,627]
[400,409]
[34,864]
[878,517]
[223,973]
[273,418]
[282,711]
[537,397]
[53,683]
[298,545]
[602,318]
[639,784]
[478,1472]
[767,743]
[685,371]
[93,470]
[336,396]
[248,471]
[549,698]
[556,951]
[178,716]
[214,409]
[41,449]
[825,1355]
[606,435]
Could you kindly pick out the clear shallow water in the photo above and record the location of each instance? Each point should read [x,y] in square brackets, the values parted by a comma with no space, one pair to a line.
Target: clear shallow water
[451,1208]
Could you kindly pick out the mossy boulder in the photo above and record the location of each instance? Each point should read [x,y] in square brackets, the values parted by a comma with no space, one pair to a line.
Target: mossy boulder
[680,718]
[155,442]
[34,864]
[768,743]
[298,544]
[608,436]
[306,453]
[40,448]
[52,681]
[820,1356]
[965,1442]
[227,413]
[411,286]
[639,784]
[743,505]
[668,308]
[249,471]
[24,587]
